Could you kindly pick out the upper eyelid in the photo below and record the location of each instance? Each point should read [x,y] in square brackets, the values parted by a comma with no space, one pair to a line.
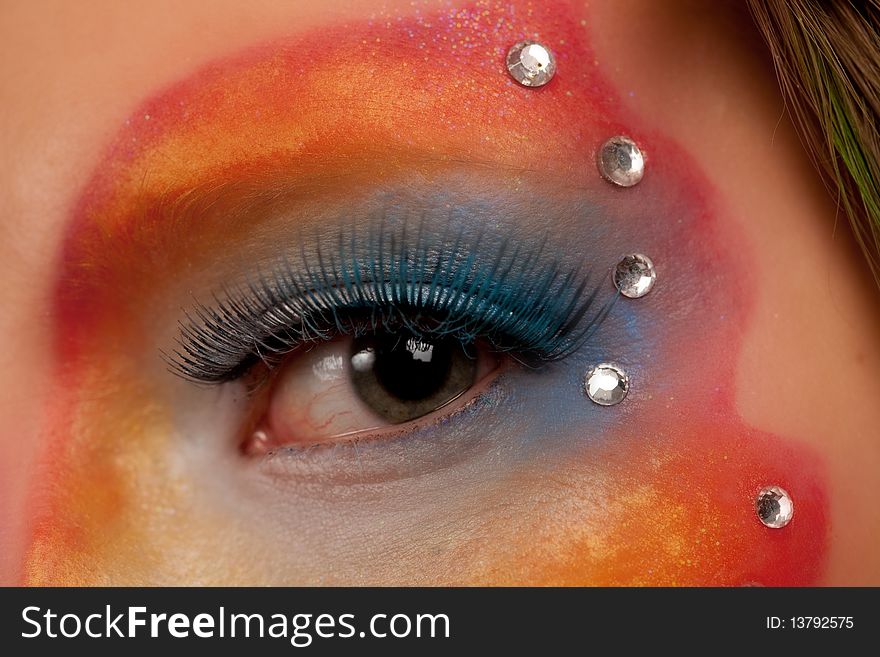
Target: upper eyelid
[529,302]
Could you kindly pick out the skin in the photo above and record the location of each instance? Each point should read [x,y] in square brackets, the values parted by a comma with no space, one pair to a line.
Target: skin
[83,500]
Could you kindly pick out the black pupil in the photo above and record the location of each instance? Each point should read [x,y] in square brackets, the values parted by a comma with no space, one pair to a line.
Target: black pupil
[401,376]
[410,368]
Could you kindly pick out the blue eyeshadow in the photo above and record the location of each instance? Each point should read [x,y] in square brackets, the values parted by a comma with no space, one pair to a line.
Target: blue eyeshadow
[433,279]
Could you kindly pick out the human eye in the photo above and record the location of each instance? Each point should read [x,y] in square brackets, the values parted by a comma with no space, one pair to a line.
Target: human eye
[377,328]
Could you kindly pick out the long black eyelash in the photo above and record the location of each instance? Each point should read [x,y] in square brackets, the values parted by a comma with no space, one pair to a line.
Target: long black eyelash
[516,302]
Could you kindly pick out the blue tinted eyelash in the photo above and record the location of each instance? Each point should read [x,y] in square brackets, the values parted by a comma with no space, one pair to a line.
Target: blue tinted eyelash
[430,286]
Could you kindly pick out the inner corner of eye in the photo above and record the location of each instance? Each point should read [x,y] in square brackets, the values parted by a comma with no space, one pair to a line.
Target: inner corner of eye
[360,385]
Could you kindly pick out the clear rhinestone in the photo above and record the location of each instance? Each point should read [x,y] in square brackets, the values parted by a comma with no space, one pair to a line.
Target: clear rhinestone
[774,507]
[621,162]
[634,275]
[606,384]
[531,64]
